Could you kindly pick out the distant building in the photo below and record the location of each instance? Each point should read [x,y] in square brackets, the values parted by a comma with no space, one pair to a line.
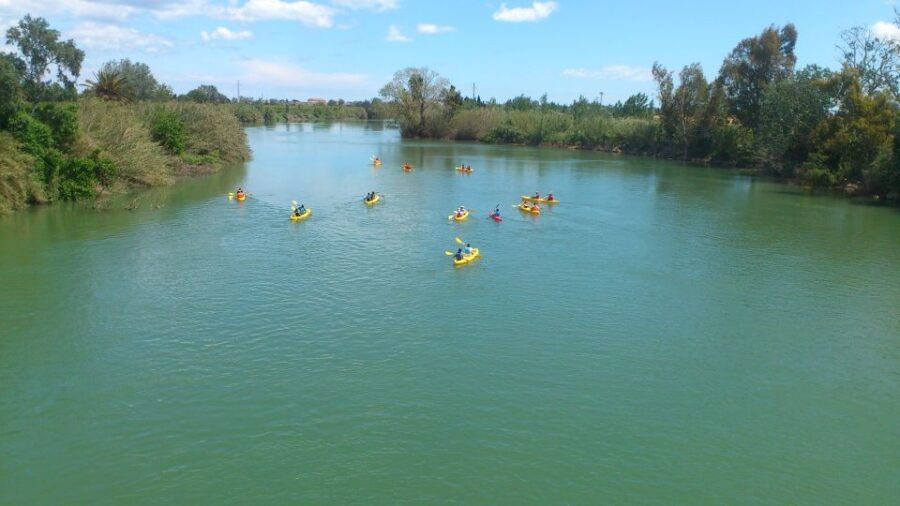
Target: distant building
[317,101]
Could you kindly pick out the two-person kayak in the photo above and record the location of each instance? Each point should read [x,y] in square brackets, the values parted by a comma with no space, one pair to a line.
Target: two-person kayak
[466,258]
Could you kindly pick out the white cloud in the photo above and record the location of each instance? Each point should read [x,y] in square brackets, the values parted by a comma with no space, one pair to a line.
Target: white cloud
[394,35]
[88,9]
[104,36]
[225,34]
[887,31]
[374,5]
[537,12]
[611,72]
[291,76]
[430,29]
[308,13]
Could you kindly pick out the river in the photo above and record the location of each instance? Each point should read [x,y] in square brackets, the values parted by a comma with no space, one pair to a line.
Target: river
[667,334]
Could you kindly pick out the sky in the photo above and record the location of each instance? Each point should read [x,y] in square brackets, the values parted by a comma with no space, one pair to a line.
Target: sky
[350,48]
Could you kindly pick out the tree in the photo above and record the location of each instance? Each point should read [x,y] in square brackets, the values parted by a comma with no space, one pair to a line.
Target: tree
[857,142]
[665,86]
[452,100]
[206,93]
[11,93]
[109,84]
[413,92]
[40,49]
[634,106]
[753,65]
[691,99]
[521,103]
[142,84]
[875,59]
[790,112]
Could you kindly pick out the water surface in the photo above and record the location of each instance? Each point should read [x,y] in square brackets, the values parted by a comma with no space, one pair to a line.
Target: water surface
[668,334]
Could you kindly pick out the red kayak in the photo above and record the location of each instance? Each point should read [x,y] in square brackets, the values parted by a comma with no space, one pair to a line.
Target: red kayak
[496,218]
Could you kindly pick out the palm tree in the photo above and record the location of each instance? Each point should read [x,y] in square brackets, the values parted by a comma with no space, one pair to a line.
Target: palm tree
[109,85]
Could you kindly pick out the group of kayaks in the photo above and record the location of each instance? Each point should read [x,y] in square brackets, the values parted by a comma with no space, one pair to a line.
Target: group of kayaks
[529,204]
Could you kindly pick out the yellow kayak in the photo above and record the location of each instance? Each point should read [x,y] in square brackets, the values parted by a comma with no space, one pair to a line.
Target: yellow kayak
[302,217]
[529,209]
[464,216]
[373,201]
[376,163]
[461,169]
[542,201]
[467,258]
[241,196]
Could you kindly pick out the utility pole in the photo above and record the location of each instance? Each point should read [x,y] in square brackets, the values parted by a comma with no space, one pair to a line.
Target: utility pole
[601,99]
[239,90]
[473,92]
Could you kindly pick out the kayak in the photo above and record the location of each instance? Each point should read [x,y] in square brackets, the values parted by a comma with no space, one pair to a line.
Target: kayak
[407,168]
[529,209]
[373,201]
[542,201]
[464,216]
[376,163]
[461,169]
[496,218]
[302,217]
[241,196]
[467,258]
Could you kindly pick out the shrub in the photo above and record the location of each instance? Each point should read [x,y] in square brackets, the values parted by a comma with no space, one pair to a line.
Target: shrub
[62,120]
[168,130]
[80,175]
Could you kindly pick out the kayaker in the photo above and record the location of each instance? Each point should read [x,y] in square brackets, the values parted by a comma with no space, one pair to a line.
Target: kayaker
[300,210]
[468,249]
[550,197]
[497,212]
[459,254]
[537,196]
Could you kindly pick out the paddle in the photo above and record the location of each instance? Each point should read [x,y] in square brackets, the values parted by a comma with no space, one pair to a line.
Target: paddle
[449,253]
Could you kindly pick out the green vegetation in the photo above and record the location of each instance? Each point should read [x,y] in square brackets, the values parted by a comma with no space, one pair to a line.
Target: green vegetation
[126,130]
[277,111]
[833,129]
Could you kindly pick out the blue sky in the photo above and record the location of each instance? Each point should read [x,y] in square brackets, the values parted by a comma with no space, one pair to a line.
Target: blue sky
[350,48]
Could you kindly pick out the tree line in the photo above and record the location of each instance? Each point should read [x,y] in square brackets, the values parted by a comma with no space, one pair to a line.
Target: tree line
[823,127]
[123,129]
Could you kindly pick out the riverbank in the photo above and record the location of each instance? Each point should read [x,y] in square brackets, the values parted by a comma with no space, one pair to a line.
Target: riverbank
[733,146]
[91,149]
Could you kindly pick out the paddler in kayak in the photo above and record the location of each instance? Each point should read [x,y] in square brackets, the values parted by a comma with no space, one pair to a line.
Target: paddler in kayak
[459,254]
[239,192]
[537,196]
[496,212]
[468,249]
[298,211]
[550,197]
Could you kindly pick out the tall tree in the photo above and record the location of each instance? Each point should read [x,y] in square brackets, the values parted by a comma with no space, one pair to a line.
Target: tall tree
[412,93]
[876,59]
[142,84]
[790,112]
[691,99]
[665,86]
[41,48]
[753,65]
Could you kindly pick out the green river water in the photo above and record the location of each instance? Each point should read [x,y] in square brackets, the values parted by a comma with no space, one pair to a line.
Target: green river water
[667,334]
